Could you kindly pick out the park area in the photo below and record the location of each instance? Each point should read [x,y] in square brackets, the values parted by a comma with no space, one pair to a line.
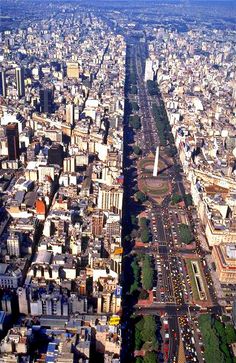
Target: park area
[217,338]
[155,187]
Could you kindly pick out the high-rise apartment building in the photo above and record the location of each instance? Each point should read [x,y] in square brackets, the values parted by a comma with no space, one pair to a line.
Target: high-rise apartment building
[20,81]
[70,114]
[12,134]
[149,74]
[3,86]
[13,245]
[72,70]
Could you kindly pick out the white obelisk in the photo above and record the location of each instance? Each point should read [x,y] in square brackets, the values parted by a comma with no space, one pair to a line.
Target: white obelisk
[155,168]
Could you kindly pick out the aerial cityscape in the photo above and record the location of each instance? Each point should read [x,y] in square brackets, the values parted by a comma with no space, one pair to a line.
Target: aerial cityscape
[118,181]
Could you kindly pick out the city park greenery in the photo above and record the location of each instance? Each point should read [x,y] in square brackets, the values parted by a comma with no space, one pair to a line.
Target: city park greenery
[176,198]
[141,197]
[216,338]
[133,106]
[134,121]
[145,332]
[162,122]
[150,357]
[185,233]
[188,200]
[143,274]
[145,233]
[152,88]
[137,150]
[133,90]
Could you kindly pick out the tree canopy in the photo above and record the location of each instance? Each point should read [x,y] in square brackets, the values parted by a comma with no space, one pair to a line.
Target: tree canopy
[147,273]
[176,198]
[140,196]
[150,357]
[185,233]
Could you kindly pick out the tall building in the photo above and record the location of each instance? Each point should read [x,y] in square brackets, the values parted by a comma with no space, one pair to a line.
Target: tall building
[3,86]
[46,100]
[13,245]
[110,199]
[72,70]
[55,155]
[149,74]
[70,114]
[20,81]
[97,223]
[12,134]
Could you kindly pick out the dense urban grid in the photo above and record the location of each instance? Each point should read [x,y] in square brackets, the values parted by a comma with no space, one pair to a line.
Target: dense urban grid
[117,182]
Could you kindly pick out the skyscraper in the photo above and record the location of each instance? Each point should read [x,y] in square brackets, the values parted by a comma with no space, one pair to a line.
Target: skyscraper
[70,114]
[149,74]
[73,70]
[3,87]
[55,155]
[46,100]
[12,134]
[20,81]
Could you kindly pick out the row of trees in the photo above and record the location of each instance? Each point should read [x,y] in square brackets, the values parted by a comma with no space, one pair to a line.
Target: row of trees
[134,121]
[140,197]
[162,123]
[137,150]
[147,273]
[145,232]
[142,275]
[133,106]
[152,88]
[176,198]
[145,332]
[150,357]
[217,337]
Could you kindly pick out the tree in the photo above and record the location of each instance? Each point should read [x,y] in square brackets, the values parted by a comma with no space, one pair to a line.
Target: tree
[176,198]
[145,236]
[143,295]
[133,90]
[149,330]
[172,151]
[147,273]
[230,334]
[136,270]
[134,106]
[185,233]
[141,197]
[133,287]
[143,221]
[188,200]
[138,341]
[137,150]
[150,357]
[152,88]
[134,121]
[134,220]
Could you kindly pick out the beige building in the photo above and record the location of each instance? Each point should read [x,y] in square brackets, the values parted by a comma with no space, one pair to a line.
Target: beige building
[72,70]
[110,199]
[216,236]
[224,257]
